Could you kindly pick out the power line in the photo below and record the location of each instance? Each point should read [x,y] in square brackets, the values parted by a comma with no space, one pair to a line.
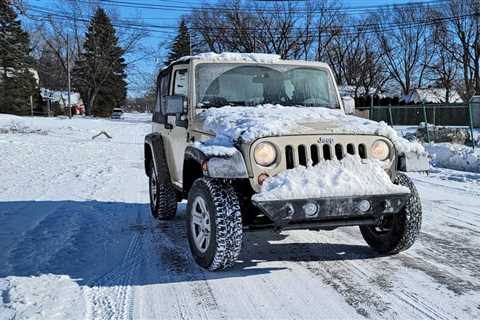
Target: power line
[366,27]
[187,7]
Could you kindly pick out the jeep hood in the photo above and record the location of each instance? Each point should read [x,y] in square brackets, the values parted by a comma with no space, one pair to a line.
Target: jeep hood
[246,124]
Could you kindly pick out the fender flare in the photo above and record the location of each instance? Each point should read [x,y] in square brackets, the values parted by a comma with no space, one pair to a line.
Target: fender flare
[154,141]
[228,167]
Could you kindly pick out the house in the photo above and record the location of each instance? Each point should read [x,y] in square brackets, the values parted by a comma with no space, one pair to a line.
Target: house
[60,98]
[347,90]
[431,95]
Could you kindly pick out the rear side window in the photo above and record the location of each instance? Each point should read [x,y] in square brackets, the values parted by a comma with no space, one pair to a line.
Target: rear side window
[180,85]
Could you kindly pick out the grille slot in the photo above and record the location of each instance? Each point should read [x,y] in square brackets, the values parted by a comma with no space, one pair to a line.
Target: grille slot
[314,154]
[326,152]
[362,151]
[339,151]
[350,148]
[289,157]
[301,155]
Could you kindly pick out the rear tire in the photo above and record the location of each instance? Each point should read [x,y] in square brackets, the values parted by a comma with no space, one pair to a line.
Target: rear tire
[163,197]
[398,232]
[214,224]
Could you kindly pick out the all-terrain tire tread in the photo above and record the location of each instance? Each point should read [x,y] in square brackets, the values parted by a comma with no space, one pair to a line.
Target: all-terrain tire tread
[413,215]
[167,201]
[166,206]
[409,221]
[229,230]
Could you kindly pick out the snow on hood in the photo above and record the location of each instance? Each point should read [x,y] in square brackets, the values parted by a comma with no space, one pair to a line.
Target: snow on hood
[350,176]
[250,123]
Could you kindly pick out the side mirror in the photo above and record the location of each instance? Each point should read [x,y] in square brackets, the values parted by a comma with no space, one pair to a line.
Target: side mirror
[348,105]
[174,105]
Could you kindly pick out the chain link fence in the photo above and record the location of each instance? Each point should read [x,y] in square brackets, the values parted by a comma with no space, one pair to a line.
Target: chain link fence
[431,116]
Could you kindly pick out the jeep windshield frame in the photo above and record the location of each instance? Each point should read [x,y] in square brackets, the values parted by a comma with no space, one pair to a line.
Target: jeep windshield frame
[221,84]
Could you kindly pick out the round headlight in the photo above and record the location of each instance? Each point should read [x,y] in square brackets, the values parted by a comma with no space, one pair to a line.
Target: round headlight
[380,150]
[265,154]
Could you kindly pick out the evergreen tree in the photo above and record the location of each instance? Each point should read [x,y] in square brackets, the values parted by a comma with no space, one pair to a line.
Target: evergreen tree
[17,81]
[52,75]
[99,74]
[181,45]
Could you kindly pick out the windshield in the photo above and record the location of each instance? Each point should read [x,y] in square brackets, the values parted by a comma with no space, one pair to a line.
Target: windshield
[219,85]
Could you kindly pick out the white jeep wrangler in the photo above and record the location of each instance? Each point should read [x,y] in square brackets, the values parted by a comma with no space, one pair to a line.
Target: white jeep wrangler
[221,165]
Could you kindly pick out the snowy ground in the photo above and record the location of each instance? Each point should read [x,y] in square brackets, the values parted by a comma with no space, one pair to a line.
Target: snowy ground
[77,242]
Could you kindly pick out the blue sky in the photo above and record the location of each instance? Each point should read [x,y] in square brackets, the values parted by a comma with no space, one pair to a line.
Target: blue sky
[157,41]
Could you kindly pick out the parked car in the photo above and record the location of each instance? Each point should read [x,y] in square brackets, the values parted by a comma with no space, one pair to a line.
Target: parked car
[117,114]
[213,143]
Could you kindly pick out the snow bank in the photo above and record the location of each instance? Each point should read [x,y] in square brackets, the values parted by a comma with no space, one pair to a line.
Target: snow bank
[47,296]
[454,156]
[348,177]
[83,126]
[15,124]
[250,123]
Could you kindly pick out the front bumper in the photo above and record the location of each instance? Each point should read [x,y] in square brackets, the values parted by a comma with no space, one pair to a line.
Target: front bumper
[283,212]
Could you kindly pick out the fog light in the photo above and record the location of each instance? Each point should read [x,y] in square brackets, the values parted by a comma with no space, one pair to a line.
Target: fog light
[310,209]
[262,177]
[364,205]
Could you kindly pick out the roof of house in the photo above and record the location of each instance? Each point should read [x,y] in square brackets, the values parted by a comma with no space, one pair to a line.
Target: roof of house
[348,90]
[432,95]
[60,96]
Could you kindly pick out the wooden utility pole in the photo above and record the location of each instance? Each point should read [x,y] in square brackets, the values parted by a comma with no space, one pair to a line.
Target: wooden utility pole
[31,104]
[69,81]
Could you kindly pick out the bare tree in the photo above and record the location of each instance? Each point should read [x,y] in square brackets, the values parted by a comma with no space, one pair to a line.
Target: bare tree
[405,43]
[285,28]
[458,41]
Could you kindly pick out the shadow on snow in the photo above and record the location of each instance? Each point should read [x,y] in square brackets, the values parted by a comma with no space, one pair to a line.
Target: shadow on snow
[114,243]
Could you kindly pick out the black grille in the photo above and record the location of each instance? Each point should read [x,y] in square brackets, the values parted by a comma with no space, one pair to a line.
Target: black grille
[301,155]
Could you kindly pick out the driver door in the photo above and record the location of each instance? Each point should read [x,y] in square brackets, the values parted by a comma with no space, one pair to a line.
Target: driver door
[175,137]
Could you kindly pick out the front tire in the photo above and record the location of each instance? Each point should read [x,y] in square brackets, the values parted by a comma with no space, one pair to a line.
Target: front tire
[398,232]
[163,198]
[214,224]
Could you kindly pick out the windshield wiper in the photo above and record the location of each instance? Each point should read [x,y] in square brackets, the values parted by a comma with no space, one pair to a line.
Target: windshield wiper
[313,105]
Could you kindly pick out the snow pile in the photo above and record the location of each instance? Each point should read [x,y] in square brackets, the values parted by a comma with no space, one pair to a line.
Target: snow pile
[76,126]
[250,123]
[350,176]
[454,156]
[43,297]
[15,124]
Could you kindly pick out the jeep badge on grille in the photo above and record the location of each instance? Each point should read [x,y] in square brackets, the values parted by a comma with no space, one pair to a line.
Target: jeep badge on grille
[326,140]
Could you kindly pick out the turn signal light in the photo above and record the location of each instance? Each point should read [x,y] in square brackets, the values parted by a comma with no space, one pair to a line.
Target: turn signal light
[205,166]
[262,177]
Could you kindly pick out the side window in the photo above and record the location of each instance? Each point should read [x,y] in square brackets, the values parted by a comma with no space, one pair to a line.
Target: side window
[162,91]
[164,84]
[180,84]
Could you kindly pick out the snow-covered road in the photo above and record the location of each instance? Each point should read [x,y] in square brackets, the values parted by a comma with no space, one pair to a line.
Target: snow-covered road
[77,242]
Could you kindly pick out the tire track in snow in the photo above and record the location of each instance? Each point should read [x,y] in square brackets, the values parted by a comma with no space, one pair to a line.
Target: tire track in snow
[178,267]
[110,296]
[367,285]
